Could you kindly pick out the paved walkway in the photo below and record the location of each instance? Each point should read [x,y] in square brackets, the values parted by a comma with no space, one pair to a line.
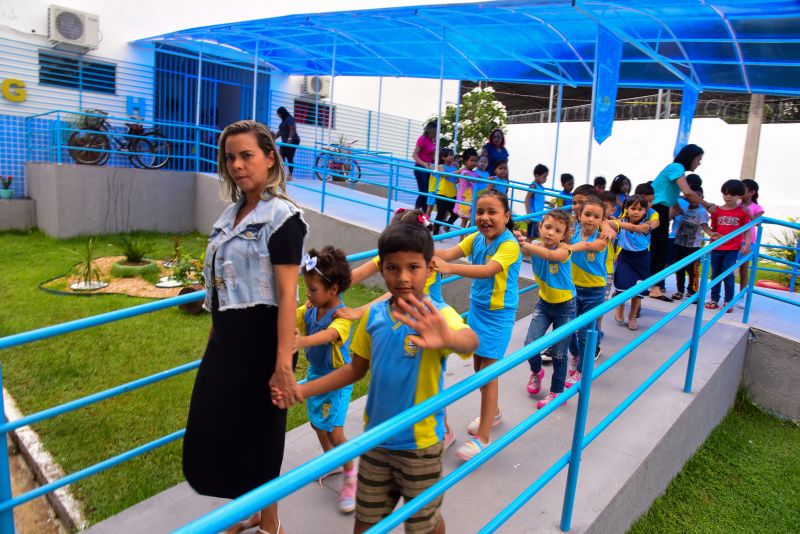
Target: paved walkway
[607,464]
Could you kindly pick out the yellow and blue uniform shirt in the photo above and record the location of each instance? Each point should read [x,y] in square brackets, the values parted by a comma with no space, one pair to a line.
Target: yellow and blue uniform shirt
[447,184]
[323,359]
[554,279]
[588,267]
[611,251]
[500,291]
[402,374]
[635,241]
[433,284]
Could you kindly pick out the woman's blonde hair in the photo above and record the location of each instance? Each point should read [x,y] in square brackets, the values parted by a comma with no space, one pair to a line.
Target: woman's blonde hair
[276,175]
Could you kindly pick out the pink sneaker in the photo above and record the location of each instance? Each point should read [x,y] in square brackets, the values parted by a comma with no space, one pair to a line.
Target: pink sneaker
[547,400]
[573,365]
[347,495]
[449,437]
[573,379]
[535,382]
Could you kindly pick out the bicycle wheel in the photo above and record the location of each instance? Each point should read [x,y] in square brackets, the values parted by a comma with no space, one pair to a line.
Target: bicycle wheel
[326,168]
[355,171]
[153,152]
[87,148]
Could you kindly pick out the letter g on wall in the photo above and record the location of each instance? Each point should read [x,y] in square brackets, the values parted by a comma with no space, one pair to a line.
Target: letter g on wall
[13,90]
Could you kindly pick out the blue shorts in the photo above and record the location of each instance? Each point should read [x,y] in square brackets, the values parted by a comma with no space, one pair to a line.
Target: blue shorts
[330,409]
[493,328]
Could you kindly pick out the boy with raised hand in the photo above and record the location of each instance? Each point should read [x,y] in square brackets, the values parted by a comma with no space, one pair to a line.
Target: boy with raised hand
[404,342]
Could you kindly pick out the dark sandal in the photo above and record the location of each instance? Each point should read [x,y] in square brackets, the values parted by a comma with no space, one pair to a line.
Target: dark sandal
[677,296]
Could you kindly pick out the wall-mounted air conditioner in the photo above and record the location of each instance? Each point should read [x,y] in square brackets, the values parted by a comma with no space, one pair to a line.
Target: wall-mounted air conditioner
[317,85]
[73,30]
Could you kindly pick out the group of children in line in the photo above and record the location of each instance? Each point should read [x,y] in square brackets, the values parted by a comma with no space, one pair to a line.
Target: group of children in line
[403,338]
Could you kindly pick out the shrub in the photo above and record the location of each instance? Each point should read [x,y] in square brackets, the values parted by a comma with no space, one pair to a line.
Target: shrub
[134,249]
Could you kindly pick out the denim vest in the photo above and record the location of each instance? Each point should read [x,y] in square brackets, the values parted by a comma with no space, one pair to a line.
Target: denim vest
[237,259]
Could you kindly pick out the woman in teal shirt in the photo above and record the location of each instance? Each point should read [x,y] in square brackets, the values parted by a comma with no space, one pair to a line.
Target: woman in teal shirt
[669,183]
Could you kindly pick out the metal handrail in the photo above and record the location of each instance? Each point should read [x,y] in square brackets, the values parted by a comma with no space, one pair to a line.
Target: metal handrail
[298,477]
[273,491]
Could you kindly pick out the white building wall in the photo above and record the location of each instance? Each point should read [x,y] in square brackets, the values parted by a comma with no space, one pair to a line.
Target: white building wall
[640,149]
[124,22]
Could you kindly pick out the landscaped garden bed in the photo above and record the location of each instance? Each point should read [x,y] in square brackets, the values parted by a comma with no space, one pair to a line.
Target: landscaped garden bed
[53,371]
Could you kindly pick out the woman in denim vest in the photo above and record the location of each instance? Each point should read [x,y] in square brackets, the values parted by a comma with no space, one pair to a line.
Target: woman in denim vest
[235,435]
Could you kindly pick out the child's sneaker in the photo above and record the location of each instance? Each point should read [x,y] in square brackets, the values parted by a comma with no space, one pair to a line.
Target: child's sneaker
[547,400]
[596,352]
[472,428]
[535,382]
[729,310]
[449,437]
[573,365]
[347,495]
[470,449]
[573,379]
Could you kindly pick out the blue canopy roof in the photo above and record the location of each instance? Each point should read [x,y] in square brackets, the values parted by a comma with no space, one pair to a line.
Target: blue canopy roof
[725,45]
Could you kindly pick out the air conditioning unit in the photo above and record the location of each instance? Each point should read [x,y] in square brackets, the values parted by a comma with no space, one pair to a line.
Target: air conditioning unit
[317,85]
[73,30]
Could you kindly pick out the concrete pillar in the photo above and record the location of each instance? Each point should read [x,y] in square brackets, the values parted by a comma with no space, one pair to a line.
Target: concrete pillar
[754,120]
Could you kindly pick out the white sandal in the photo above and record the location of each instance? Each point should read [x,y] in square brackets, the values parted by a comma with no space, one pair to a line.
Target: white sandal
[262,531]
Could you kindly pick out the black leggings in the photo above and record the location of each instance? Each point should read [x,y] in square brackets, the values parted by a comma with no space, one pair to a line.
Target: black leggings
[659,242]
[680,274]
[422,176]
[287,153]
[445,212]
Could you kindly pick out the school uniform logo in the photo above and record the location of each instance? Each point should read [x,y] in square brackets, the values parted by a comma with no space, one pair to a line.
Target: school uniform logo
[326,409]
[553,268]
[591,256]
[410,350]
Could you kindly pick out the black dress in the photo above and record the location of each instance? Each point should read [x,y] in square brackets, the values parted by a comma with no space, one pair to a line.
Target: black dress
[235,435]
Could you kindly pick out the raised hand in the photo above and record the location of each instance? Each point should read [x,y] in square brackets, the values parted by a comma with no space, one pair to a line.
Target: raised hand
[432,329]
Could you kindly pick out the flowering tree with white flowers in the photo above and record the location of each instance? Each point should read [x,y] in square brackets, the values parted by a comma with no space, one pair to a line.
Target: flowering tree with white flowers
[479,114]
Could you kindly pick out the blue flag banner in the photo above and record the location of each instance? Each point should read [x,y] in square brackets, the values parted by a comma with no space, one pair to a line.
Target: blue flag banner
[688,105]
[609,54]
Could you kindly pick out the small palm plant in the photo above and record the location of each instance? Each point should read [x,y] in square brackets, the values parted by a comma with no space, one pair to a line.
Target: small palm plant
[134,249]
[87,272]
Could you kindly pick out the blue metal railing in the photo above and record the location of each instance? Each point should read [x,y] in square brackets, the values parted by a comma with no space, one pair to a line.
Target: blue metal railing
[288,483]
[295,479]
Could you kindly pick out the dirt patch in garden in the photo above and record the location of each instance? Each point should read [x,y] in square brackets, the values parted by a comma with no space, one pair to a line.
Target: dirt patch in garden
[134,287]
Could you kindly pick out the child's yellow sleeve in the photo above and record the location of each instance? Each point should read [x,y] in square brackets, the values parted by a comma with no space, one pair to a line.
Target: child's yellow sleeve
[455,322]
[361,343]
[466,244]
[343,327]
[299,319]
[507,254]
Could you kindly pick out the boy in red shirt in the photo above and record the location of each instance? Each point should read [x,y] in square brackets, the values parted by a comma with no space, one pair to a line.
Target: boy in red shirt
[726,219]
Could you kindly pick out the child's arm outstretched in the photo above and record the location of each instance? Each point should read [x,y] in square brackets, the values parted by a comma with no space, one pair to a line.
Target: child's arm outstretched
[467,270]
[607,231]
[354,314]
[598,245]
[537,248]
[432,329]
[644,227]
[329,335]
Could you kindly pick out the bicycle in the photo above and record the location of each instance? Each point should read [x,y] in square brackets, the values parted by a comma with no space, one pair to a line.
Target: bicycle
[339,166]
[148,148]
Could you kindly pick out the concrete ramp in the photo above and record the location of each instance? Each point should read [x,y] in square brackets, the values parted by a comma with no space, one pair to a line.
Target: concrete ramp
[622,472]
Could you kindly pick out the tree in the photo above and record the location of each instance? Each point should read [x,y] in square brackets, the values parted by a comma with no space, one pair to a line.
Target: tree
[478,115]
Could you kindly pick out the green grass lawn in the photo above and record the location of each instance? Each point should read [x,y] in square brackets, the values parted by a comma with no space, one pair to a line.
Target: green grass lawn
[745,478]
[50,372]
